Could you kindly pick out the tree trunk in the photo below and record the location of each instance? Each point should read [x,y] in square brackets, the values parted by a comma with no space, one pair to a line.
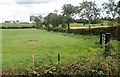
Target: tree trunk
[68,26]
[89,23]
[113,22]
[89,27]
[48,28]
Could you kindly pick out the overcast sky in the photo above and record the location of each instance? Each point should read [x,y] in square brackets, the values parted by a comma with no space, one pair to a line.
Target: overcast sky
[22,9]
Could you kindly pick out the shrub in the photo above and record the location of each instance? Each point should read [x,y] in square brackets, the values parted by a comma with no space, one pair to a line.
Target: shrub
[110,23]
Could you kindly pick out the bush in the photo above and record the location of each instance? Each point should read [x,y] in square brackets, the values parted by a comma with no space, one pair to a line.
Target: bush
[81,21]
[110,23]
[96,21]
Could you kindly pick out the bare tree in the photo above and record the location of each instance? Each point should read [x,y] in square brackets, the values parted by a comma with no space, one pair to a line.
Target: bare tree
[89,11]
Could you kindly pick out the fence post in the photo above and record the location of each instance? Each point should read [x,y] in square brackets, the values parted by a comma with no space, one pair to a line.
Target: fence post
[107,41]
[107,38]
[58,57]
[101,32]
[33,59]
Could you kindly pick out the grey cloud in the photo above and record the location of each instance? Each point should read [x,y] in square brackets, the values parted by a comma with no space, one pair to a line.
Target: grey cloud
[32,1]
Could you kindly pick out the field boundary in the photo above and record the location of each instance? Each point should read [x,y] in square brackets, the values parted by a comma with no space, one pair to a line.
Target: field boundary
[17,27]
[92,27]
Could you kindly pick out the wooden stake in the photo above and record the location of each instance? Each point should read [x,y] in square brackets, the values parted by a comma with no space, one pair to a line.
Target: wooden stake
[33,59]
[58,57]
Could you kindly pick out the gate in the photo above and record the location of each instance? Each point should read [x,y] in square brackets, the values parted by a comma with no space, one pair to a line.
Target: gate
[105,40]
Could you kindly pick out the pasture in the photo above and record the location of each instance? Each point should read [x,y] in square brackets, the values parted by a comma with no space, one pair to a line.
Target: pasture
[19,44]
[82,25]
[16,24]
[104,22]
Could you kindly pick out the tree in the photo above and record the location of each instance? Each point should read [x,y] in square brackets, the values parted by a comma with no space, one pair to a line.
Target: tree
[89,11]
[68,11]
[111,9]
[37,20]
[32,18]
[118,8]
[53,19]
[46,23]
[118,11]
[62,21]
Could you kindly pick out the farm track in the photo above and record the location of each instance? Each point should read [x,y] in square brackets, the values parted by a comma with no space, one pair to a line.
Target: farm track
[90,27]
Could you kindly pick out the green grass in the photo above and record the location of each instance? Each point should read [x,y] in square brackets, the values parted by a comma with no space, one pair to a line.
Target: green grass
[104,22]
[15,24]
[19,45]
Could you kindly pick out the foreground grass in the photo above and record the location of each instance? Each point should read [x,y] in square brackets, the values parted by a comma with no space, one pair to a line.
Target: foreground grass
[19,45]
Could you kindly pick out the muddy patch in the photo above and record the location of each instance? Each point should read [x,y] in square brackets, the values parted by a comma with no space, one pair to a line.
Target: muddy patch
[32,42]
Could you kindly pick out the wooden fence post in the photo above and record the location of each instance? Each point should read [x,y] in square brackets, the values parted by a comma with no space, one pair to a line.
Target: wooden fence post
[104,41]
[107,38]
[107,41]
[101,32]
[58,57]
[33,59]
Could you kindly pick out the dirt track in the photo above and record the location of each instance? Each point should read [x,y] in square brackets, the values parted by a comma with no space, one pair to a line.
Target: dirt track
[88,27]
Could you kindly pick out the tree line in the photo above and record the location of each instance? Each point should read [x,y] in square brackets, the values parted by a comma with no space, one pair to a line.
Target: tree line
[87,11]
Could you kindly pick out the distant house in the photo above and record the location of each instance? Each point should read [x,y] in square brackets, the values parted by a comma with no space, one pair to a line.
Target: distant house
[24,22]
[9,21]
[17,21]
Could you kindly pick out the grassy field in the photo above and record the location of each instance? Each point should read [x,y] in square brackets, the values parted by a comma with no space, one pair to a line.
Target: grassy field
[15,24]
[81,25]
[72,24]
[19,45]
[104,22]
